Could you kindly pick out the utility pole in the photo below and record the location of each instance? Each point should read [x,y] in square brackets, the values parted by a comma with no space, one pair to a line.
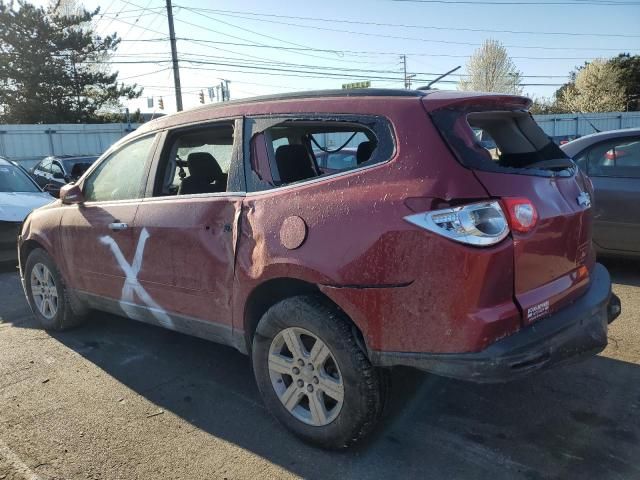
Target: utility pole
[174,57]
[404,67]
[226,89]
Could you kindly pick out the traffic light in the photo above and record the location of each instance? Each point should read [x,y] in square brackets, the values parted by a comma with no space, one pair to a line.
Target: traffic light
[201,95]
[160,104]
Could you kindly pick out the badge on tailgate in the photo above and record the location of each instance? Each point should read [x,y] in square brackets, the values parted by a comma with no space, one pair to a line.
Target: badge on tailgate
[538,311]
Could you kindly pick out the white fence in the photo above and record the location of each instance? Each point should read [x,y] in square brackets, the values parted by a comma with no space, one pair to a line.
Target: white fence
[29,143]
[572,125]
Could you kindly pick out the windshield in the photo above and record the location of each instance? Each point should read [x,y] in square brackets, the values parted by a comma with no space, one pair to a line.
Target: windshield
[13,179]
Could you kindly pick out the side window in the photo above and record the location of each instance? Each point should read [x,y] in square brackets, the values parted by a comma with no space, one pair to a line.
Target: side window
[615,158]
[299,150]
[45,166]
[196,161]
[56,169]
[122,175]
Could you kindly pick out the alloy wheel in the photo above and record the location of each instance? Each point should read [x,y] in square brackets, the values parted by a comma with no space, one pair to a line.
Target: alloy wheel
[305,376]
[44,291]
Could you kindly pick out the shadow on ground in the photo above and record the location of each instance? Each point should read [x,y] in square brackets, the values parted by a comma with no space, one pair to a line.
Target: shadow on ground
[623,270]
[581,421]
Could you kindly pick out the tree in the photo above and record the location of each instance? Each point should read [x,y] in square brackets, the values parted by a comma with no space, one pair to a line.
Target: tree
[490,69]
[48,65]
[597,88]
[629,69]
[544,106]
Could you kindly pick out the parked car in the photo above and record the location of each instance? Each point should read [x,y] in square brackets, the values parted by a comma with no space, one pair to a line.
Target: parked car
[51,173]
[217,222]
[333,161]
[612,161]
[19,194]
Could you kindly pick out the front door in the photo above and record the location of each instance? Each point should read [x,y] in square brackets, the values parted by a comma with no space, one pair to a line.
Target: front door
[97,236]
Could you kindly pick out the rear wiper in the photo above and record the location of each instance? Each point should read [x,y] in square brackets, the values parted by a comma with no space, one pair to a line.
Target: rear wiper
[555,163]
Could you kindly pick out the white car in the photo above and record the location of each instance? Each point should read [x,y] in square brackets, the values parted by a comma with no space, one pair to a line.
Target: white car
[19,195]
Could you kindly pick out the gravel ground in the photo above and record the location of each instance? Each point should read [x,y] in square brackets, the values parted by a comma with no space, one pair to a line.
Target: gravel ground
[121,400]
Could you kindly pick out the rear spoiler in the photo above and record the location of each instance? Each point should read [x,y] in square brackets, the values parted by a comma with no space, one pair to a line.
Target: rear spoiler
[439,100]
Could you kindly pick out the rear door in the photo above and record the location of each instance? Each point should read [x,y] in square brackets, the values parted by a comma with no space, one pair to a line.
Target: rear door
[552,260]
[614,169]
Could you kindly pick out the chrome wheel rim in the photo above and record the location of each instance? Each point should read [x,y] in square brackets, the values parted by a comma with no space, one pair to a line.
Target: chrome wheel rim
[306,377]
[44,291]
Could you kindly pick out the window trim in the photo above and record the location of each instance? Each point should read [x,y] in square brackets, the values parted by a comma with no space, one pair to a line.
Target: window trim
[589,150]
[116,148]
[271,120]
[167,136]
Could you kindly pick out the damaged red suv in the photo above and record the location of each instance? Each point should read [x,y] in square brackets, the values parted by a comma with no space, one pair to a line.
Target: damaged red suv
[426,249]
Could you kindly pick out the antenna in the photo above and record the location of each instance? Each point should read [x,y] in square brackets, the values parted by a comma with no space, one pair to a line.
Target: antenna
[437,79]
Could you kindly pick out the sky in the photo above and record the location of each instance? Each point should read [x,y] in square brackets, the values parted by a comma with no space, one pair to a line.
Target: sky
[345,41]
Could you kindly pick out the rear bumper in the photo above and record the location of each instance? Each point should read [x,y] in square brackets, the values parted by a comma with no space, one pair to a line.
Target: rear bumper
[577,330]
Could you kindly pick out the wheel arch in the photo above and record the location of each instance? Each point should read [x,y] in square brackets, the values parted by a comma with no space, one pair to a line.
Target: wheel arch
[274,290]
[29,246]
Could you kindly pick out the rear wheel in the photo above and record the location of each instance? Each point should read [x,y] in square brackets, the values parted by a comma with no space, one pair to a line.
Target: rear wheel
[313,374]
[47,295]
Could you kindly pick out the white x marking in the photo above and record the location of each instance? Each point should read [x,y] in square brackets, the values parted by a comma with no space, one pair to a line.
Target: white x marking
[131,282]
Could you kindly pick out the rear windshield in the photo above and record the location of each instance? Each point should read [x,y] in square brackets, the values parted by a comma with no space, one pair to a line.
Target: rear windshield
[502,141]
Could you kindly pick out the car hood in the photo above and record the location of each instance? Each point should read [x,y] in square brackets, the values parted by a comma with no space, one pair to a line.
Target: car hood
[15,206]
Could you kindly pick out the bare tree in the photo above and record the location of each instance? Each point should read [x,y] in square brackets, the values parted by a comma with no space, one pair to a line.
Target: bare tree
[66,8]
[490,69]
[597,88]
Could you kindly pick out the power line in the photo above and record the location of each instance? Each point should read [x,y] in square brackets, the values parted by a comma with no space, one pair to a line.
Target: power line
[252,32]
[365,52]
[487,2]
[400,25]
[273,70]
[399,37]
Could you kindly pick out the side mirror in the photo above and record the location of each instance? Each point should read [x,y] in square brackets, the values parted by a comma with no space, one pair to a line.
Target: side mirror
[58,176]
[71,194]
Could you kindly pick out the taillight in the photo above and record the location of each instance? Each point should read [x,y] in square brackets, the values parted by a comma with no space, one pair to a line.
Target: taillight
[479,224]
[522,214]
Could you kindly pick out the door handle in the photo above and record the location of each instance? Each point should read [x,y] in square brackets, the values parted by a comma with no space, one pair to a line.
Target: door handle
[117,226]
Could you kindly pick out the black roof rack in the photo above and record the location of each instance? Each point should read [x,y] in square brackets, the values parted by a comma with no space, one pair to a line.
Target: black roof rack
[346,92]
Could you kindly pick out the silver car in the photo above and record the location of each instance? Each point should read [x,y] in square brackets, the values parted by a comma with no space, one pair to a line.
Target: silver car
[612,161]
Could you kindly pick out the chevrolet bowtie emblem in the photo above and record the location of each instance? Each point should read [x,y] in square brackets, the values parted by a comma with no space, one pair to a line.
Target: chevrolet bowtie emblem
[584,200]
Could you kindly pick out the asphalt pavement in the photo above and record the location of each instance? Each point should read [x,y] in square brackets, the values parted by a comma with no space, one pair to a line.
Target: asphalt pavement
[117,399]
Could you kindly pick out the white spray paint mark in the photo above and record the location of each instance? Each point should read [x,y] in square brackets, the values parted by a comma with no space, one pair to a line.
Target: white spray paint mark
[131,282]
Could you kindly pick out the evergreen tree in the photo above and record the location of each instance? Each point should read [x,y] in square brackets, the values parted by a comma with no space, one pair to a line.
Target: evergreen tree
[48,65]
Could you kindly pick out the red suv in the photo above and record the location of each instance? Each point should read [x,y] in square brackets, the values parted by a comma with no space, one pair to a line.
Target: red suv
[426,251]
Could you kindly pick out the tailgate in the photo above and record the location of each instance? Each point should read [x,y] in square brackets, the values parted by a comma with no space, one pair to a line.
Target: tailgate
[495,137]
[547,260]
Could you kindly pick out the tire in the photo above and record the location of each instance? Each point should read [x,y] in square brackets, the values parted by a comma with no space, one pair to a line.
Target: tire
[356,389]
[52,304]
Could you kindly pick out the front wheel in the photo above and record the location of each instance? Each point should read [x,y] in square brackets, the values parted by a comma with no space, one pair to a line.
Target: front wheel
[313,375]
[47,295]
